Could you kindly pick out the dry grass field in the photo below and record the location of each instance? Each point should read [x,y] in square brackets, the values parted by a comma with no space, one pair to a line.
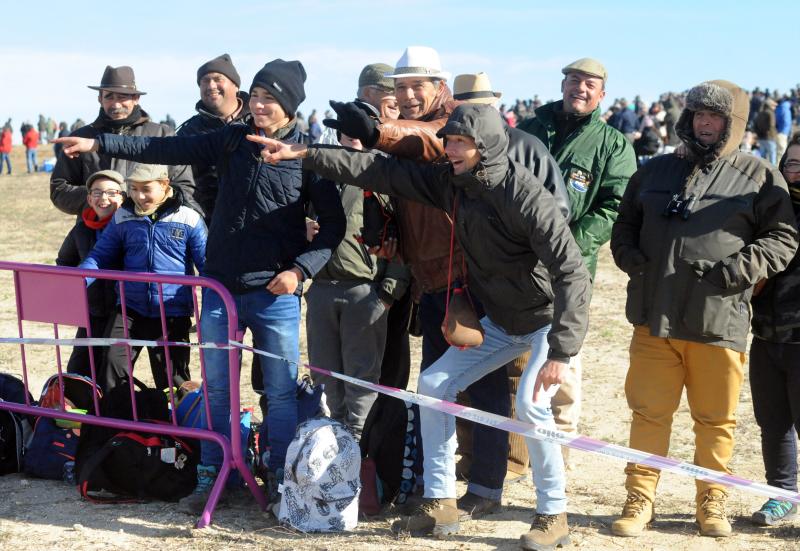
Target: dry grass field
[37,514]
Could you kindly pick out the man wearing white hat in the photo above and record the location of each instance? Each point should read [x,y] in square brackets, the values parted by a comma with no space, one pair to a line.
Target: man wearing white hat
[425,102]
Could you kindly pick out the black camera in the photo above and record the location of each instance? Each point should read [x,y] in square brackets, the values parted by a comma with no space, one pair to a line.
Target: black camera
[680,206]
[379,222]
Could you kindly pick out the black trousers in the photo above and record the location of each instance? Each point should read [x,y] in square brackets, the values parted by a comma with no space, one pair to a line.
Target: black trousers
[775,386]
[79,359]
[141,327]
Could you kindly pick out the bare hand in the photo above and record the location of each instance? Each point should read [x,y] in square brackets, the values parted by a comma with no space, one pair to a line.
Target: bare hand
[75,146]
[758,287]
[275,151]
[285,283]
[551,373]
[312,229]
[388,250]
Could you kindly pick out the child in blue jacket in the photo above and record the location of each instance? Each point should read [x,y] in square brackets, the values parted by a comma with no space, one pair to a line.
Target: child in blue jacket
[153,231]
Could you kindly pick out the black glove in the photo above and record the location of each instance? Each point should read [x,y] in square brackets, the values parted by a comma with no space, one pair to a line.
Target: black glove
[354,122]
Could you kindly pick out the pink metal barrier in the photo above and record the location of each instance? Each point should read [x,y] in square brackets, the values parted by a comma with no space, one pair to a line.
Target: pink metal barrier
[58,296]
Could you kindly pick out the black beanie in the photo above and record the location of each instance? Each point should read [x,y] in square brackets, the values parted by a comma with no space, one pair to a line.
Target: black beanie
[221,64]
[284,81]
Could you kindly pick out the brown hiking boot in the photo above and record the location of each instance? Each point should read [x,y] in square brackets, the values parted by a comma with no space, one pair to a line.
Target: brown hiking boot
[437,517]
[711,514]
[471,507]
[547,532]
[637,514]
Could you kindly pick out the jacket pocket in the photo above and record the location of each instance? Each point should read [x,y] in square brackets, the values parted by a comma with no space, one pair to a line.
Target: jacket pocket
[712,312]
[635,309]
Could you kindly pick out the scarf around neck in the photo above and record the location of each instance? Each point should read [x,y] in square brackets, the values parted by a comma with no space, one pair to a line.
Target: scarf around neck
[116,125]
[91,220]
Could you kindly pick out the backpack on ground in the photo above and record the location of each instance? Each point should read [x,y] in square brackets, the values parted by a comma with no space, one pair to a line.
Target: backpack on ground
[388,440]
[321,478]
[134,466]
[53,446]
[15,429]
[151,405]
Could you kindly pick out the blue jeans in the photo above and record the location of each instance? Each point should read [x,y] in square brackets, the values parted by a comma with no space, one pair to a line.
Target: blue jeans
[30,159]
[275,323]
[458,369]
[488,470]
[769,150]
[4,158]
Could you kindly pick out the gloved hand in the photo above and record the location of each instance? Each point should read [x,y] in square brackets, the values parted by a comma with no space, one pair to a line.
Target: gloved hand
[354,122]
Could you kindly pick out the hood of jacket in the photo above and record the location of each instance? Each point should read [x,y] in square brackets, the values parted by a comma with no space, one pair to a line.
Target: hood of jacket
[719,96]
[483,124]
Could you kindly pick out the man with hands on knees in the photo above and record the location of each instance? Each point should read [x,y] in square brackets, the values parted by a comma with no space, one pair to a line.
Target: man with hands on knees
[522,264]
[257,248]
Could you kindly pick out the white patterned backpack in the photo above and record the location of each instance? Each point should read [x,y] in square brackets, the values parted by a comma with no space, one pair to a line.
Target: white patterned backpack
[321,480]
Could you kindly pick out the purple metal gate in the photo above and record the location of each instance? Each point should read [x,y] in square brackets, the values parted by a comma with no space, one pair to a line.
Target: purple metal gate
[58,296]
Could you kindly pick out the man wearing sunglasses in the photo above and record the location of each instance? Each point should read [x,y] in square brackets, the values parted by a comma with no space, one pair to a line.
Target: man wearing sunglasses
[120,113]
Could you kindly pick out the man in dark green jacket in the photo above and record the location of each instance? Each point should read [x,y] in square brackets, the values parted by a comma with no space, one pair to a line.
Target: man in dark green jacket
[596,162]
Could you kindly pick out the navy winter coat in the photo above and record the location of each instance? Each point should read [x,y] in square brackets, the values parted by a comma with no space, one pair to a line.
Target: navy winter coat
[258,226]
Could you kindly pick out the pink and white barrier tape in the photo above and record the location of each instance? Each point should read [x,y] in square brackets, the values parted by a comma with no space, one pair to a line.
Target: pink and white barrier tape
[530,430]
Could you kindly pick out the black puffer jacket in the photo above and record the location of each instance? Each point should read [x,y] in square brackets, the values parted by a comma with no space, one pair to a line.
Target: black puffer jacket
[258,228]
[205,175]
[522,261]
[68,181]
[75,248]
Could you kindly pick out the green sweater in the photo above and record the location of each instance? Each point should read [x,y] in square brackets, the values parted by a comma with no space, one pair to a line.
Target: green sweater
[596,162]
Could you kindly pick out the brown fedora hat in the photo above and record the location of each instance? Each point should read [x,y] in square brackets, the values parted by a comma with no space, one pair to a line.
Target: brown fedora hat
[118,79]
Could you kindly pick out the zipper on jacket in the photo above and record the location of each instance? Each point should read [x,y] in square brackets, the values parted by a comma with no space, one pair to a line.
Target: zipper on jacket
[150,254]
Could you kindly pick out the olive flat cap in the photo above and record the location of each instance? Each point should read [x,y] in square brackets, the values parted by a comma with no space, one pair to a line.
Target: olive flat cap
[588,66]
[112,175]
[372,75]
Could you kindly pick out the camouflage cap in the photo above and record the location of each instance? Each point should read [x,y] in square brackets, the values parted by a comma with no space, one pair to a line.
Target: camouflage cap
[148,173]
[373,75]
[112,175]
[588,66]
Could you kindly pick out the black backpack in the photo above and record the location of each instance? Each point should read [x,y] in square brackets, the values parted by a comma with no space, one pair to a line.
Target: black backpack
[151,405]
[388,442]
[15,429]
[135,466]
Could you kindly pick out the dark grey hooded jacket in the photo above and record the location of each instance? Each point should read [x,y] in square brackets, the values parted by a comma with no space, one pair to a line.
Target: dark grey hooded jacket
[522,261]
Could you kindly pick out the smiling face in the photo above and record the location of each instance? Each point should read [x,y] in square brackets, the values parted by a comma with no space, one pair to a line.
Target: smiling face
[582,93]
[708,126]
[415,95]
[117,106]
[105,196]
[267,112]
[218,93]
[462,152]
[147,195]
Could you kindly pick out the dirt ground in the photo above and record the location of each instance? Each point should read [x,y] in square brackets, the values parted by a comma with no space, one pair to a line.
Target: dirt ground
[37,514]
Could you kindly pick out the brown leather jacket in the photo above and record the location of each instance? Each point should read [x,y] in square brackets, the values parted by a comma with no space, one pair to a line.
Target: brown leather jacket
[424,230]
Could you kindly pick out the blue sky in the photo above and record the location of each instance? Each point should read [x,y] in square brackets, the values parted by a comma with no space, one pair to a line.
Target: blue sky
[49,57]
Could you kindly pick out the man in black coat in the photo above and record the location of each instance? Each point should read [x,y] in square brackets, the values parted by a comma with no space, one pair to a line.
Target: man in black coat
[121,114]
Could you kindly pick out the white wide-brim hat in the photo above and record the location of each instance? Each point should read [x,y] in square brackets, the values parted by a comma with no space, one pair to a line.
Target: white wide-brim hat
[419,61]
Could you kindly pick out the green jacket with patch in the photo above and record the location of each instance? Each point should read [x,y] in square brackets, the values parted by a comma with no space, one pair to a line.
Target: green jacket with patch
[596,162]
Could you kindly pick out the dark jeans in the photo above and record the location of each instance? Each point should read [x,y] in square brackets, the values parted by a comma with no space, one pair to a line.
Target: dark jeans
[775,386]
[490,446]
[141,327]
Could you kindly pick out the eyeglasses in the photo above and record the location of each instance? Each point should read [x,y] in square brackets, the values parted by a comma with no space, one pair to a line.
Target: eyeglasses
[110,193]
[792,167]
